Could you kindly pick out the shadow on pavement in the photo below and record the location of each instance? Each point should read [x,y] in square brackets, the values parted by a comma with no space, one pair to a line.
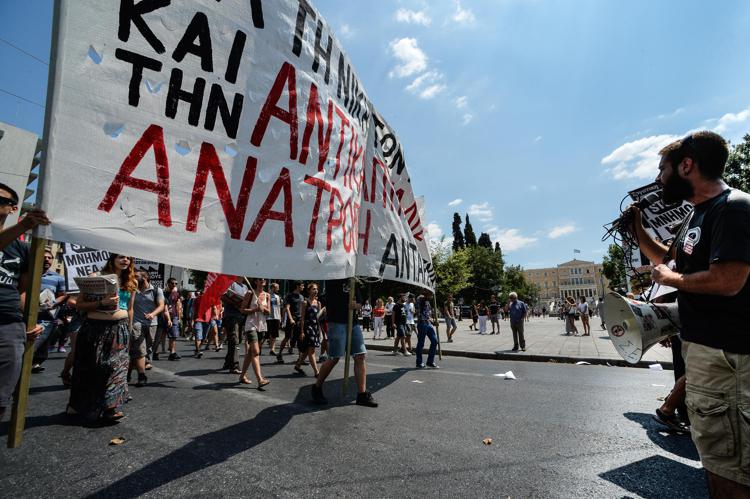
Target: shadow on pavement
[218,446]
[658,477]
[672,442]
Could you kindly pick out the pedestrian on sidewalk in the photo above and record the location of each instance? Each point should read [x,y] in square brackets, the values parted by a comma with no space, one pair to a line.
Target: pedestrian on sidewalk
[482,312]
[450,318]
[474,316]
[569,309]
[494,314]
[390,329]
[377,317]
[517,313]
[366,316]
[583,311]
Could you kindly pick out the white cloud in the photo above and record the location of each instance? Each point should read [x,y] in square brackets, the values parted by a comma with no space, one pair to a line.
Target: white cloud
[637,159]
[467,118]
[561,230]
[434,231]
[463,16]
[509,239]
[427,85]
[412,59]
[729,121]
[538,138]
[456,202]
[413,17]
[346,31]
[481,212]
[461,102]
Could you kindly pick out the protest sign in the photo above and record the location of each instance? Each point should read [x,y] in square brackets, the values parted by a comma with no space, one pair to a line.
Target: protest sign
[80,261]
[660,220]
[221,136]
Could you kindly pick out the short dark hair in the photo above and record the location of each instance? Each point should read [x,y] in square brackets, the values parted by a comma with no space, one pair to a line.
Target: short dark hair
[708,149]
[13,194]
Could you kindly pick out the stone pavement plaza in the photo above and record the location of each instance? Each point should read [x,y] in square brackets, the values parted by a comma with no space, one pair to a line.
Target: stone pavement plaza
[545,341]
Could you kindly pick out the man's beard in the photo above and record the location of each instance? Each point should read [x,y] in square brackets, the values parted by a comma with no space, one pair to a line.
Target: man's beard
[676,190]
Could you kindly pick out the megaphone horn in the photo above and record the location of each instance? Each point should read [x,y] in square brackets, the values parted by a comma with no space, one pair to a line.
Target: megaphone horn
[635,326]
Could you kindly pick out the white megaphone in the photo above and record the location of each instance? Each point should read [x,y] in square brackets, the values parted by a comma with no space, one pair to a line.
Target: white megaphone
[635,326]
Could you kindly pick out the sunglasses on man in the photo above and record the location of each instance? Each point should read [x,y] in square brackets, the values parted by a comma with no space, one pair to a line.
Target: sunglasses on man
[7,201]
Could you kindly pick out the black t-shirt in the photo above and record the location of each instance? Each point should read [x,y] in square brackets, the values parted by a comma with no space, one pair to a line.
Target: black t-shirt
[719,231]
[294,300]
[399,314]
[14,261]
[337,301]
[494,308]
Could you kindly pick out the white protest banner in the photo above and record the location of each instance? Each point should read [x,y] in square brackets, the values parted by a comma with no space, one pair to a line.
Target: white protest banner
[17,150]
[395,243]
[660,220]
[221,136]
[80,262]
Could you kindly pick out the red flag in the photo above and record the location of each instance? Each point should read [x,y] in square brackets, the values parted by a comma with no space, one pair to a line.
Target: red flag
[216,285]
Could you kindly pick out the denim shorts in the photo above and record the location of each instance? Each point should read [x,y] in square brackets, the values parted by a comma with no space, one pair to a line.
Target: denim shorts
[174,331]
[201,330]
[337,340]
[400,331]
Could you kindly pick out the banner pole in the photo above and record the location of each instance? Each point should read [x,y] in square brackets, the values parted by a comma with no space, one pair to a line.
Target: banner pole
[437,327]
[31,305]
[349,326]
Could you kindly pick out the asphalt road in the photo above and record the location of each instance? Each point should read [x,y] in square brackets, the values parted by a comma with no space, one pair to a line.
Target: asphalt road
[557,431]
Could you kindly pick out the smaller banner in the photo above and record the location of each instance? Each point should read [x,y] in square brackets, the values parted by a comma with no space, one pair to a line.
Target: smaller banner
[81,261]
[216,285]
[661,221]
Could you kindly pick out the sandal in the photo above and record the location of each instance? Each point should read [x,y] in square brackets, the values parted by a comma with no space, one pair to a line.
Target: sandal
[263,383]
[245,381]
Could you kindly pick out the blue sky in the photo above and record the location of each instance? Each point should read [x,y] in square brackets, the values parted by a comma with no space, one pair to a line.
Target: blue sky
[536,117]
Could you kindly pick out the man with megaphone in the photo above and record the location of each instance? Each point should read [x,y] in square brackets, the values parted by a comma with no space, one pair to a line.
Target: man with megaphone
[712,255]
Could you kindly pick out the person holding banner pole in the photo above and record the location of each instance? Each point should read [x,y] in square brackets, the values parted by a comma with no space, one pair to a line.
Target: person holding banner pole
[341,302]
[99,385]
[14,337]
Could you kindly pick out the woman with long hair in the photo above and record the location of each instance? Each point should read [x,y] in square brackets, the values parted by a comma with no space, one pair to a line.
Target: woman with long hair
[99,386]
[255,306]
[310,330]
[570,316]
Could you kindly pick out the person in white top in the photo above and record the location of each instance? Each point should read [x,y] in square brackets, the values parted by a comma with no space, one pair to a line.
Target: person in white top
[390,329]
[583,309]
[255,306]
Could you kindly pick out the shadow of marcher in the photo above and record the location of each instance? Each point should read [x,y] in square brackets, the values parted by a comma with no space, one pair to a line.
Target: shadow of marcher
[675,443]
[658,477]
[218,446]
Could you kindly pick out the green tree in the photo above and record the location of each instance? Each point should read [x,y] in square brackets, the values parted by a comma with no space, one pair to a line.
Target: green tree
[452,270]
[484,240]
[613,267]
[737,171]
[458,236]
[470,238]
[199,278]
[515,280]
[486,272]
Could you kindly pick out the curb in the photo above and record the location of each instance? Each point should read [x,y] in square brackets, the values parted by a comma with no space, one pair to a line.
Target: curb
[525,357]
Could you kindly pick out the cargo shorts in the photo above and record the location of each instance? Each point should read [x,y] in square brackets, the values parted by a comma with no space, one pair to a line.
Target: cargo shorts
[718,402]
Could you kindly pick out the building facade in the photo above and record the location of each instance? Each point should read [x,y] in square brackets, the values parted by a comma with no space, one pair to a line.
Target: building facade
[575,278]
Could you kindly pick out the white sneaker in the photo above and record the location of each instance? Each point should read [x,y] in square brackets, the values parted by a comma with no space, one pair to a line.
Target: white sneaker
[407,353]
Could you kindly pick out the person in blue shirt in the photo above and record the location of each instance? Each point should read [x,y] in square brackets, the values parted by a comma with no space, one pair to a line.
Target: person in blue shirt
[517,310]
[48,310]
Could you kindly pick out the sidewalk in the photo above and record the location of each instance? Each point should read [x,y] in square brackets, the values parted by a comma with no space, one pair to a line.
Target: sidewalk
[545,342]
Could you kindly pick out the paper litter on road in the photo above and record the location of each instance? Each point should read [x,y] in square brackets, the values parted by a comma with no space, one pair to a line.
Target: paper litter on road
[117,441]
[487,441]
[656,367]
[417,381]
[583,363]
[509,375]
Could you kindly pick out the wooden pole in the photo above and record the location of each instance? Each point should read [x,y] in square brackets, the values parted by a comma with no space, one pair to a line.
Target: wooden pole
[31,309]
[349,327]
[437,327]
[31,306]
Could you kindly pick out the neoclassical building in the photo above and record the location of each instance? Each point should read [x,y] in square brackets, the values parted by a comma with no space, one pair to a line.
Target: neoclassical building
[574,278]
